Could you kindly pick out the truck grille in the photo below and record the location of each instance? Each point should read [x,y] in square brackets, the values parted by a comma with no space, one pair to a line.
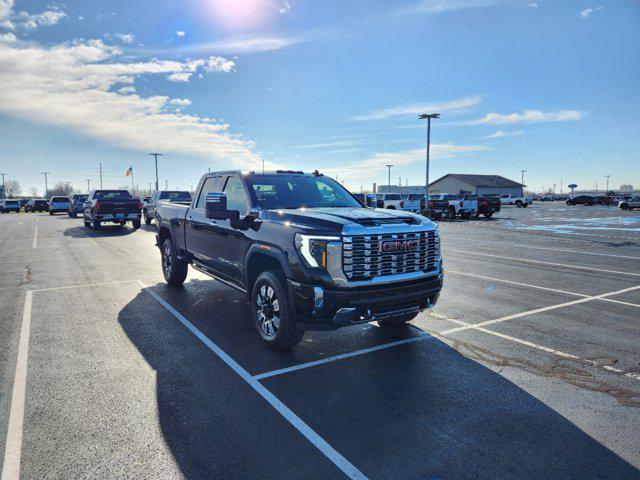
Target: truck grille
[363,256]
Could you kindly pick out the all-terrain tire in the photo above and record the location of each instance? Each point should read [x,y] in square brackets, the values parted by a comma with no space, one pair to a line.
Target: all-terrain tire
[174,269]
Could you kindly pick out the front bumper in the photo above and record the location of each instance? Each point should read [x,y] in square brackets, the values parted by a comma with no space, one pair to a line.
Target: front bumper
[117,218]
[328,309]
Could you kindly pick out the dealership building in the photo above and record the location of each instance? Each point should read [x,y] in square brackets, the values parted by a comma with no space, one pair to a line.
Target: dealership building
[462,183]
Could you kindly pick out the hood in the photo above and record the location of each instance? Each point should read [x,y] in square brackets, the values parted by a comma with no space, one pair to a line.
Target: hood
[335,219]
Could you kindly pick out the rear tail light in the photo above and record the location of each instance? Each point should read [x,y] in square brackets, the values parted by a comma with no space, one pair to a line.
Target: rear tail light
[430,203]
[139,205]
[462,204]
[97,206]
[485,204]
[401,203]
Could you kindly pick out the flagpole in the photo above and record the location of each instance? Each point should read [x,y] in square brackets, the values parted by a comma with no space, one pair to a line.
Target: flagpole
[133,190]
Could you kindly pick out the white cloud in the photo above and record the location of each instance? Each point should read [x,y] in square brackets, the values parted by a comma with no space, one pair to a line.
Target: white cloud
[179,77]
[246,44]
[6,9]
[7,24]
[528,116]
[533,5]
[340,143]
[71,85]
[436,6]
[127,90]
[8,38]
[219,64]
[180,102]
[286,6]
[180,33]
[588,11]
[125,37]
[32,21]
[365,169]
[504,133]
[459,105]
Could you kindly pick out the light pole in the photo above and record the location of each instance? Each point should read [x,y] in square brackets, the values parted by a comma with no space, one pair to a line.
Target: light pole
[4,187]
[46,185]
[428,117]
[607,177]
[156,155]
[88,185]
[389,177]
[522,178]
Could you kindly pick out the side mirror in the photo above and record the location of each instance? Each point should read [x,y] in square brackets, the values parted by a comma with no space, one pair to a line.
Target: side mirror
[216,207]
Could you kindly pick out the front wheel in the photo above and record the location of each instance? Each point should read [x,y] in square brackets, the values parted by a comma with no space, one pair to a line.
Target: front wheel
[147,219]
[136,224]
[271,315]
[174,269]
[519,204]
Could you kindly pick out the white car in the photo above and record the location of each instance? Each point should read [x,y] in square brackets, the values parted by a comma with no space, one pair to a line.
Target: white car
[629,204]
[412,202]
[392,201]
[517,200]
[59,204]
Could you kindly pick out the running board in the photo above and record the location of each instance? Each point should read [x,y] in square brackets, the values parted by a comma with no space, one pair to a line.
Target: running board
[206,271]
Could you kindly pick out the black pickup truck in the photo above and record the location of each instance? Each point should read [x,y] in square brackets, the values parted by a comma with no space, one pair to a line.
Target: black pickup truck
[149,207]
[487,206]
[113,206]
[308,255]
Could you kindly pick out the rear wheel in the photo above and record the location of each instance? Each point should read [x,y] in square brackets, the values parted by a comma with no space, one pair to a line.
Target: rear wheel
[451,213]
[136,224]
[147,220]
[518,204]
[271,315]
[488,214]
[97,225]
[466,215]
[173,268]
[87,224]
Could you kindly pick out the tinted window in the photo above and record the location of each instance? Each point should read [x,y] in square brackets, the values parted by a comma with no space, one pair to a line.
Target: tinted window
[297,191]
[13,203]
[236,198]
[176,196]
[80,198]
[471,197]
[393,196]
[60,199]
[211,184]
[112,195]
[415,196]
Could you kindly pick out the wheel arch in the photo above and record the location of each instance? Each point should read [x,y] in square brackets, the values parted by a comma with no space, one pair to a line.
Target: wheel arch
[260,258]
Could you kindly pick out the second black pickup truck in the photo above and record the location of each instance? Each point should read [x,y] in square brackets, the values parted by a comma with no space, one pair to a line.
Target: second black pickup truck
[307,254]
[112,206]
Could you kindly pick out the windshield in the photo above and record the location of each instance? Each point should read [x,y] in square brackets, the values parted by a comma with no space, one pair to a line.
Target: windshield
[80,198]
[393,196]
[415,196]
[296,191]
[60,199]
[112,195]
[176,196]
[11,202]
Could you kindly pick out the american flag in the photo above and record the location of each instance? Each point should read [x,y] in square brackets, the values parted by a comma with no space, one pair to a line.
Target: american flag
[129,172]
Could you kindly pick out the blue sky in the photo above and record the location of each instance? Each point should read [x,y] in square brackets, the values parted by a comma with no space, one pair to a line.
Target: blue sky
[549,87]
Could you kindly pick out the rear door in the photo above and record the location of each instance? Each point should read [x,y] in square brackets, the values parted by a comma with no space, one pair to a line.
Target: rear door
[200,231]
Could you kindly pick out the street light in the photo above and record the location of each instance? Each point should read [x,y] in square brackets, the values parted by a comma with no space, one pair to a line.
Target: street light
[156,155]
[389,177]
[46,185]
[428,117]
[4,187]
[607,177]
[522,178]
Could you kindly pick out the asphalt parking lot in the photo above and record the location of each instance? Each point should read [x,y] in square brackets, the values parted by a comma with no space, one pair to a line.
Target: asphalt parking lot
[528,367]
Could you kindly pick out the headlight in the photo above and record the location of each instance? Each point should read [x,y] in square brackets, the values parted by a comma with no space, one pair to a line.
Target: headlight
[313,249]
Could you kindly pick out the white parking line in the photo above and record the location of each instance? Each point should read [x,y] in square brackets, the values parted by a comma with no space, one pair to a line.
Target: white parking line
[35,237]
[13,446]
[342,356]
[520,284]
[540,262]
[582,252]
[540,310]
[115,282]
[320,443]
[560,353]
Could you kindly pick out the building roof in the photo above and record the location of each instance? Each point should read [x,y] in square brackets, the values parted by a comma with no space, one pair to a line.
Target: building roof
[482,180]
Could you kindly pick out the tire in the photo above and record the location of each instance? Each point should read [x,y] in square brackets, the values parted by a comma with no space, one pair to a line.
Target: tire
[398,321]
[451,213]
[271,315]
[97,225]
[465,215]
[87,224]
[136,224]
[50,213]
[174,270]
[391,208]
[488,214]
[525,205]
[518,204]
[147,220]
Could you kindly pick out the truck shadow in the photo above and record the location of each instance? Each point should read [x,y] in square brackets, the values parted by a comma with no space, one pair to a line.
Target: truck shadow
[418,411]
[105,231]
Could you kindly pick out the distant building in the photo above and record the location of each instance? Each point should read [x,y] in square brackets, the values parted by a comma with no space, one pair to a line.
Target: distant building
[475,184]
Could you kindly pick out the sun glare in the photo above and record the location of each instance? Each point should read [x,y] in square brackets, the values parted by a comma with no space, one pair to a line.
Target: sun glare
[240,13]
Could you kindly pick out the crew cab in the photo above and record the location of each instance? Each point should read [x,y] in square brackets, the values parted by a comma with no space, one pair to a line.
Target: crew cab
[58,205]
[437,207]
[412,202]
[7,205]
[76,205]
[582,200]
[629,204]
[114,206]
[149,208]
[392,201]
[457,205]
[487,206]
[36,205]
[304,251]
[517,200]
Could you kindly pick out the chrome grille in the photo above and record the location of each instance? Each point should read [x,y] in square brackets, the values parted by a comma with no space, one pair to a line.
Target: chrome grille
[363,257]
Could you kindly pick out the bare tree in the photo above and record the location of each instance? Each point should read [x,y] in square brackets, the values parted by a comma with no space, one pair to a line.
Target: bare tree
[13,188]
[626,187]
[33,191]
[63,189]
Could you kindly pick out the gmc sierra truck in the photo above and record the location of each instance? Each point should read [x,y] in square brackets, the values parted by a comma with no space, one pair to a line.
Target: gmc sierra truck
[304,251]
[149,207]
[113,206]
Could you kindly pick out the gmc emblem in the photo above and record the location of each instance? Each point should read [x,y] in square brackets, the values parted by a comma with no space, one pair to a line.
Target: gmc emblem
[399,245]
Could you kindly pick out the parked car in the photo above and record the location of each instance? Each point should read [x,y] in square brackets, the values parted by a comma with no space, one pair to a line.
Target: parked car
[58,205]
[629,204]
[23,202]
[517,200]
[392,201]
[457,205]
[8,205]
[149,208]
[487,206]
[437,207]
[114,206]
[304,251]
[605,200]
[366,199]
[76,205]
[36,205]
[413,202]
[581,200]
